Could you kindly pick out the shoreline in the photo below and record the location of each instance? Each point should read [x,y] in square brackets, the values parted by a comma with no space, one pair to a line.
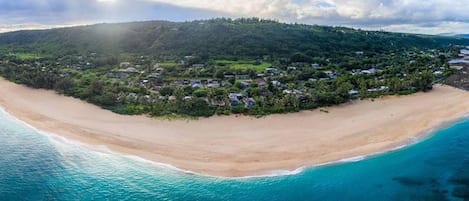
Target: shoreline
[258,147]
[275,173]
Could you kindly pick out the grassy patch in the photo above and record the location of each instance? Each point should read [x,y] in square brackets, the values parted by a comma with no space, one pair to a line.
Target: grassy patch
[245,65]
[167,64]
[29,56]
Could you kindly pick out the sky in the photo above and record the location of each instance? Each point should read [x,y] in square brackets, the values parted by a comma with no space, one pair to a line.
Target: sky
[412,16]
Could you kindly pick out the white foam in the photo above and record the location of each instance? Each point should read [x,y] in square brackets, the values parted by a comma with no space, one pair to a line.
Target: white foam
[353,159]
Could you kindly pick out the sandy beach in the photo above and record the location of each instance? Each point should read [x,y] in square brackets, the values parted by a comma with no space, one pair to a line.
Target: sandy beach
[233,146]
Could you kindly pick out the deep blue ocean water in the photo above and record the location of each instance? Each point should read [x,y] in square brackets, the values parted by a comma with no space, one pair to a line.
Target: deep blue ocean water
[39,167]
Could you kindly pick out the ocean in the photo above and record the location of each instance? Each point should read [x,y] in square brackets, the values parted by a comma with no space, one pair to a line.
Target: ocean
[35,166]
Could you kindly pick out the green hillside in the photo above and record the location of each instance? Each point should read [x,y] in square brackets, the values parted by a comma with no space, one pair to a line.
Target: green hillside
[216,38]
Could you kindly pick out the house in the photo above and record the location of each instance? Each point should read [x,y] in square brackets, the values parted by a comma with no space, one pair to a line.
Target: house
[129,70]
[315,65]
[369,71]
[172,98]
[465,52]
[125,64]
[147,98]
[401,74]
[249,102]
[198,65]
[276,83]
[195,82]
[359,53]
[353,93]
[244,84]
[412,54]
[382,88]
[154,75]
[219,103]
[356,71]
[366,72]
[458,64]
[330,74]
[438,72]
[197,86]
[179,83]
[226,84]
[213,84]
[267,93]
[64,74]
[144,82]
[242,77]
[229,76]
[261,82]
[271,70]
[118,75]
[235,98]
[298,93]
[235,102]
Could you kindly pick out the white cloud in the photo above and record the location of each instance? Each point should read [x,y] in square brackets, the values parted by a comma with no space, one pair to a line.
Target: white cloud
[361,13]
[281,9]
[422,16]
[449,28]
[8,28]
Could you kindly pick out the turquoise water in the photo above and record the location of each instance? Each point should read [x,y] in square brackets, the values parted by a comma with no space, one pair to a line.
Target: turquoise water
[38,167]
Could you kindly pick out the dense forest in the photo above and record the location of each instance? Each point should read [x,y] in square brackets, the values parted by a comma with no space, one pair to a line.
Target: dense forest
[216,38]
[224,66]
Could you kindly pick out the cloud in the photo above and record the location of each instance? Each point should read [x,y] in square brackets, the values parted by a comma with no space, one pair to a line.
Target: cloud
[357,13]
[68,12]
[346,11]
[429,16]
[447,27]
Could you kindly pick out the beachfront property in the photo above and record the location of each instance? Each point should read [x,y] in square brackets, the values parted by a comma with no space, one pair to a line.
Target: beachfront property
[155,78]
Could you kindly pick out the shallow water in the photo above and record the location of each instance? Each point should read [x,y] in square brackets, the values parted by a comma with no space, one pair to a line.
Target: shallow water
[40,167]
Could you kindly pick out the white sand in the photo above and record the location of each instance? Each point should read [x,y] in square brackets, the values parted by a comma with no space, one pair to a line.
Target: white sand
[242,146]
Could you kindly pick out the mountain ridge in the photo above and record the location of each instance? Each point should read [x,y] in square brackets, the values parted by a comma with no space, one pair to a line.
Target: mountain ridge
[246,37]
